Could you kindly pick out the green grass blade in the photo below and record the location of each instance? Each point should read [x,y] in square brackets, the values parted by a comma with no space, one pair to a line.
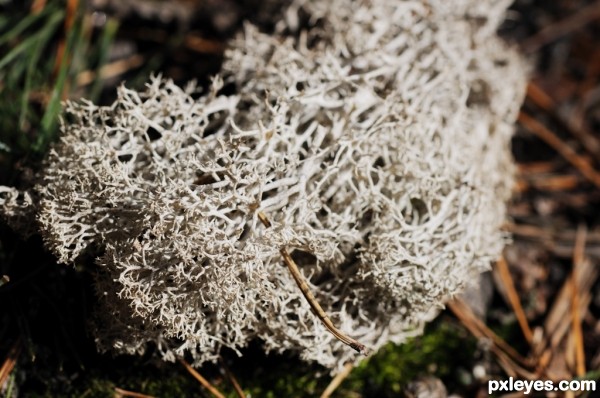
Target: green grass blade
[108,35]
[22,25]
[50,117]
[33,61]
[31,41]
[4,22]
[44,37]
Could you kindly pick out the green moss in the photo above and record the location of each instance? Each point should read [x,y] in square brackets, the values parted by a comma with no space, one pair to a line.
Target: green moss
[443,351]
[97,388]
[170,382]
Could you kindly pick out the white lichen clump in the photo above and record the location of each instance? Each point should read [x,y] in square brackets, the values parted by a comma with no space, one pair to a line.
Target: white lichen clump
[377,143]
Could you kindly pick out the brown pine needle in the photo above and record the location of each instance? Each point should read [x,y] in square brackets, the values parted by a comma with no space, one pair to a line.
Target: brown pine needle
[236,386]
[337,380]
[503,352]
[37,6]
[556,183]
[513,297]
[9,363]
[316,307]
[506,354]
[578,259]
[111,70]
[584,166]
[70,14]
[562,28]
[555,329]
[203,45]
[536,167]
[552,236]
[539,97]
[119,393]
[201,379]
[543,362]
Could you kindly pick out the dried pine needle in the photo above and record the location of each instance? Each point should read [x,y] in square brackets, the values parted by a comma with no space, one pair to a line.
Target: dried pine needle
[337,380]
[205,383]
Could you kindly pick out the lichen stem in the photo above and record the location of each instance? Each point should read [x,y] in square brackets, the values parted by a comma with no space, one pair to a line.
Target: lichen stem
[312,301]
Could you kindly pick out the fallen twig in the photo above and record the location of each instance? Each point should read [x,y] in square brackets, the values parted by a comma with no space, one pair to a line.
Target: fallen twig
[316,307]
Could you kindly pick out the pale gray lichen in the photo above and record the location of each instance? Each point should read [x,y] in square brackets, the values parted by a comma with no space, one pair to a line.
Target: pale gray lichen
[377,142]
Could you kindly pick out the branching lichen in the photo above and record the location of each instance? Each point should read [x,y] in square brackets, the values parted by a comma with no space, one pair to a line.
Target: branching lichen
[377,142]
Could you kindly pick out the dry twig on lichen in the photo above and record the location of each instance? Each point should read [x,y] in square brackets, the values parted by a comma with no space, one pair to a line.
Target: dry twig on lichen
[310,298]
